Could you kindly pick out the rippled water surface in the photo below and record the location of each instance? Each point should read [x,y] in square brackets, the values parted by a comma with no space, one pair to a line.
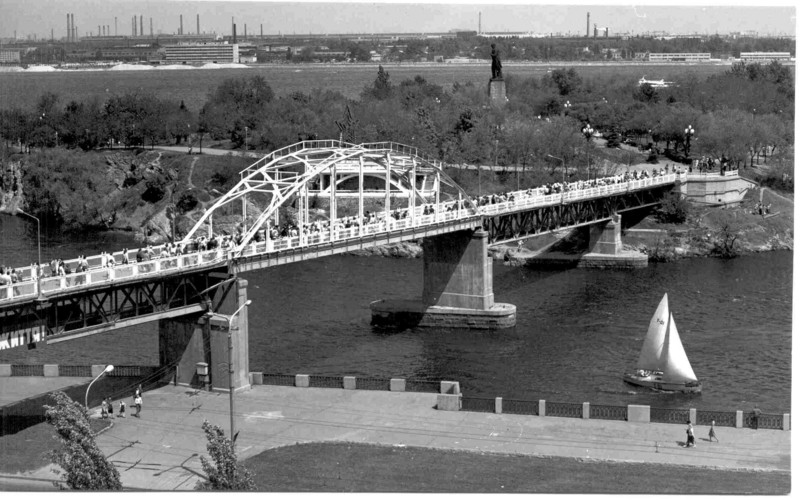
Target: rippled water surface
[577,330]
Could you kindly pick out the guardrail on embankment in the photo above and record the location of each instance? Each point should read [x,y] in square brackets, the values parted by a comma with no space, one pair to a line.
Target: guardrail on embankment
[449,398]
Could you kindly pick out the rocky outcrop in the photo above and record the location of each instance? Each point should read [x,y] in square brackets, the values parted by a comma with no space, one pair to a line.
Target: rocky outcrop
[11,192]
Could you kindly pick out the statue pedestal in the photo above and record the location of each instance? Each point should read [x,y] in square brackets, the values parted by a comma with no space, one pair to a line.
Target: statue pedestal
[497,92]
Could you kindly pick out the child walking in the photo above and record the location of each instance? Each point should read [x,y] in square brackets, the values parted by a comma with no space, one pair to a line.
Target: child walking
[711,433]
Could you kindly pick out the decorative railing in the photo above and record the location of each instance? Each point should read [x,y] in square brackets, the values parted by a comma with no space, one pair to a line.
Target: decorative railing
[720,418]
[74,371]
[554,409]
[448,211]
[520,407]
[763,421]
[325,382]
[422,385]
[669,415]
[372,384]
[27,370]
[278,379]
[477,404]
[608,412]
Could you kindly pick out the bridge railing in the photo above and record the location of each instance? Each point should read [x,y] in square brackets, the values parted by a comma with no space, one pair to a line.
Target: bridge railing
[445,212]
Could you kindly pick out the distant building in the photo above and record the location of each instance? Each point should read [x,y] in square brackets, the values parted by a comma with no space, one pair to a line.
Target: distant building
[765,56]
[8,56]
[202,53]
[674,56]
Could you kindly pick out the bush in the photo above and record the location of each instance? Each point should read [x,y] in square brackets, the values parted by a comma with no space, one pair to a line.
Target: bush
[674,209]
[225,473]
[84,465]
[155,190]
[186,202]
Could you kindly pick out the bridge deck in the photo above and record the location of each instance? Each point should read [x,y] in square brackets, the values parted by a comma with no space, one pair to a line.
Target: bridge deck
[447,217]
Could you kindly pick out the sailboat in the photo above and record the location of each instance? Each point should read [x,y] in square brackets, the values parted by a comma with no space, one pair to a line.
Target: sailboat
[663,364]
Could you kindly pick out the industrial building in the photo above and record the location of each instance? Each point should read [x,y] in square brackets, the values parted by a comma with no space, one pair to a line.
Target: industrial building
[674,56]
[8,56]
[219,53]
[765,56]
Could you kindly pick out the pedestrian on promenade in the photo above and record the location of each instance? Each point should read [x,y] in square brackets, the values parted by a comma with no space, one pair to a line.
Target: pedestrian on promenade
[103,409]
[122,409]
[138,403]
[110,409]
[756,414]
[711,433]
[689,434]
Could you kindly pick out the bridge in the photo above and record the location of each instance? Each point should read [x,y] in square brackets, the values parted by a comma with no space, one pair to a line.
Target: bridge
[322,198]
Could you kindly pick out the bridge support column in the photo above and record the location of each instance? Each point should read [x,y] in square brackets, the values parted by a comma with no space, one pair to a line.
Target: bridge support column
[189,340]
[457,288]
[606,250]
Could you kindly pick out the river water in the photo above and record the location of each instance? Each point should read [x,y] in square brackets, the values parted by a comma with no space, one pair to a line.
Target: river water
[577,330]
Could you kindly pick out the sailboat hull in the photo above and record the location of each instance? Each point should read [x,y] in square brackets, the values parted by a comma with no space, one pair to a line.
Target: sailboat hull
[657,383]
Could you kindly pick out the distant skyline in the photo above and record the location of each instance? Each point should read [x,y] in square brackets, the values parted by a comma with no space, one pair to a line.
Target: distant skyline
[38,17]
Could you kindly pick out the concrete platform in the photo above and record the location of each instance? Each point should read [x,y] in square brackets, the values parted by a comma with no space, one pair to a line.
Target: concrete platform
[403,313]
[17,388]
[161,450]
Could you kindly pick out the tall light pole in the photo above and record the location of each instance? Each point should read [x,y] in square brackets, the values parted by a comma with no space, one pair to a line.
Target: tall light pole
[108,369]
[38,246]
[587,132]
[229,319]
[564,172]
[688,133]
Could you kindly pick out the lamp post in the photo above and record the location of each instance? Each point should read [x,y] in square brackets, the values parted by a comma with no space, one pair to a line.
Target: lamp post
[38,247]
[567,105]
[688,132]
[587,132]
[108,369]
[229,319]
[563,164]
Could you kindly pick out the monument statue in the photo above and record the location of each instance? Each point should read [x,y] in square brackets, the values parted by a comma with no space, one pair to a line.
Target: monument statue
[497,66]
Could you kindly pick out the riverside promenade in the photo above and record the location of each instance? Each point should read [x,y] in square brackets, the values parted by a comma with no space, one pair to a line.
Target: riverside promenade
[161,449]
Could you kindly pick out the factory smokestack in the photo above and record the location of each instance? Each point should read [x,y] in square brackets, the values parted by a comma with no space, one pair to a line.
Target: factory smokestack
[479,23]
[245,32]
[198,24]
[262,31]
[68,27]
[115,25]
[180,32]
[151,27]
[74,29]
[595,30]
[587,25]
[234,33]
[133,26]
[141,25]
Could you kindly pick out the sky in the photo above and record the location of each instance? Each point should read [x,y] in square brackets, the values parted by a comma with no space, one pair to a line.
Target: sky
[394,16]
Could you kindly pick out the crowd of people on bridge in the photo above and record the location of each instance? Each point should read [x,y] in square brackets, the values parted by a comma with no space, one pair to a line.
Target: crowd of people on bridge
[59,268]
[708,165]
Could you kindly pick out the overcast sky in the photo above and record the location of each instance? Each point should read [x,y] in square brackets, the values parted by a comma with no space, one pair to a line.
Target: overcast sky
[392,16]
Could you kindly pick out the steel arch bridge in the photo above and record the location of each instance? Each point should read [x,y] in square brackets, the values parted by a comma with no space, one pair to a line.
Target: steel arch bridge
[385,176]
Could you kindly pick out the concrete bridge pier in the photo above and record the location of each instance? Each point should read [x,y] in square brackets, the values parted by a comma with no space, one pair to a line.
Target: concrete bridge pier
[457,288]
[605,247]
[191,341]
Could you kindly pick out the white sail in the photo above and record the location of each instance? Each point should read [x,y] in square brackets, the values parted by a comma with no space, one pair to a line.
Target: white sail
[651,356]
[676,365]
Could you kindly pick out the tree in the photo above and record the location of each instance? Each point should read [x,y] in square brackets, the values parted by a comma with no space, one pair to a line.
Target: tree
[381,88]
[84,465]
[567,80]
[225,473]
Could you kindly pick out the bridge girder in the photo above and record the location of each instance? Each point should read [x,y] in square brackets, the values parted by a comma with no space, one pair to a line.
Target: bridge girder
[285,174]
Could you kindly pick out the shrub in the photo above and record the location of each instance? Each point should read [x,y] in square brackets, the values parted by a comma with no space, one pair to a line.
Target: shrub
[155,190]
[225,473]
[84,465]
[186,202]
[674,209]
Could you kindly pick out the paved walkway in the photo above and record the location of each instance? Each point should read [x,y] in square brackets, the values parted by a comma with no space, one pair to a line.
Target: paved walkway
[161,449]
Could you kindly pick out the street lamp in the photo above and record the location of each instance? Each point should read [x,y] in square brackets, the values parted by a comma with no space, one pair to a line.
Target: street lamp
[564,172]
[587,132]
[688,133]
[567,105]
[230,359]
[108,369]
[38,246]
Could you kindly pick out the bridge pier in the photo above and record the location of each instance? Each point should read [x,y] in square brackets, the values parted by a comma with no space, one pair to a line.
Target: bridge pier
[606,250]
[203,338]
[457,288]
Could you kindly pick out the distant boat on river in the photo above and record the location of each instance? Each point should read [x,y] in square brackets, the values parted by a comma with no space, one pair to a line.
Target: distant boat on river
[663,364]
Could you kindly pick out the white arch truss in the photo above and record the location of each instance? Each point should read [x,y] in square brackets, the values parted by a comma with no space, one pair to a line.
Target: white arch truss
[284,176]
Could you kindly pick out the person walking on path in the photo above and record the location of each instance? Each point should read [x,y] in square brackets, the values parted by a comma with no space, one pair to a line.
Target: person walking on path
[711,433]
[138,403]
[756,414]
[110,409]
[122,409]
[103,409]
[689,435]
